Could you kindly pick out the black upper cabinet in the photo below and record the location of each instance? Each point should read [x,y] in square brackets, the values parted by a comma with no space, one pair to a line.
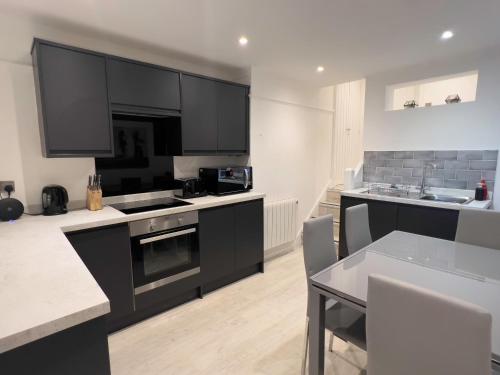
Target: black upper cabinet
[214,116]
[232,107]
[142,85]
[106,253]
[78,90]
[199,115]
[72,98]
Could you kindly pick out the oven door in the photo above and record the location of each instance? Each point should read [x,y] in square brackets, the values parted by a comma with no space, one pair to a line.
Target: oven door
[164,257]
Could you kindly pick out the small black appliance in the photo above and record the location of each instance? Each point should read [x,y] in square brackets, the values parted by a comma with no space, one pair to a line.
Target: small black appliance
[190,187]
[10,208]
[227,180]
[54,200]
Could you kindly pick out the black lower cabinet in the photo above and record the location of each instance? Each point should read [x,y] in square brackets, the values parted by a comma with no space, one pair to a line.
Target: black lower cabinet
[106,253]
[382,215]
[428,221]
[249,234]
[386,217]
[79,350]
[231,243]
[216,242]
[231,240]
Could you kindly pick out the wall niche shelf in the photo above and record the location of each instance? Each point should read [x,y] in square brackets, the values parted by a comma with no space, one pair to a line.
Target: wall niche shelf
[432,92]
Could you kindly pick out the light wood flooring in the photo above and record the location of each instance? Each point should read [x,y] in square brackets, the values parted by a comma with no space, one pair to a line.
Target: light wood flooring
[254,326]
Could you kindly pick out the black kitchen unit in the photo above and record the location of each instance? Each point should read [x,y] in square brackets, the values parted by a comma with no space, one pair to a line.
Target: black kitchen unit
[106,253]
[231,243]
[386,217]
[142,88]
[215,116]
[81,93]
[72,97]
[148,266]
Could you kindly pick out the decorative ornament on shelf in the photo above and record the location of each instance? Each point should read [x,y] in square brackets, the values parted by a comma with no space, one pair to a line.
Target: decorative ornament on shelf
[453,99]
[410,104]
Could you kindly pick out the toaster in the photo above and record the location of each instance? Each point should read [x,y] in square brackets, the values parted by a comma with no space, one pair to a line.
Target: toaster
[190,187]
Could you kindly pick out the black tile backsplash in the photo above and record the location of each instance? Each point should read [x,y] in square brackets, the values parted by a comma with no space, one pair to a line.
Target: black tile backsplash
[454,169]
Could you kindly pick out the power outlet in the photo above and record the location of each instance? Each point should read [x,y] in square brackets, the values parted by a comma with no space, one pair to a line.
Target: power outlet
[3,184]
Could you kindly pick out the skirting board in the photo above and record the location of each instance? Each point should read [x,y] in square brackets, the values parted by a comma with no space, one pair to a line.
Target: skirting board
[278,251]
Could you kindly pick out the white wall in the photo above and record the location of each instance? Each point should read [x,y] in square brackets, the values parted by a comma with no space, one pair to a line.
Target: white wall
[464,126]
[472,125]
[348,130]
[291,139]
[20,151]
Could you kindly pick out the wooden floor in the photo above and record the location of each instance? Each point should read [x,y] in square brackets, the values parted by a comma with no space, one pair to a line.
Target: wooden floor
[254,326]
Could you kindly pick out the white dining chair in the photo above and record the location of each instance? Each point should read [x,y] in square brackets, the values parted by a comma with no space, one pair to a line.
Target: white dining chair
[415,331]
[319,253]
[479,227]
[357,228]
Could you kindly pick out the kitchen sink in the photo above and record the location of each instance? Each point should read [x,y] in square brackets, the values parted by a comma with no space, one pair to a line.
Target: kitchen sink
[446,198]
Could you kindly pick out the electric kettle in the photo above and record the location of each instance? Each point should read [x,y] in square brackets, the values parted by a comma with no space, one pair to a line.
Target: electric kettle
[54,200]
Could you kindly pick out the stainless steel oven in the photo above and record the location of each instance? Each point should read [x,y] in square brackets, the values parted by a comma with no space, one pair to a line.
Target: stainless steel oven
[164,250]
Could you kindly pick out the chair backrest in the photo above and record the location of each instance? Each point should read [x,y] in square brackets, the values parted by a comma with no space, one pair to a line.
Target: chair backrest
[479,227]
[357,228]
[414,331]
[318,245]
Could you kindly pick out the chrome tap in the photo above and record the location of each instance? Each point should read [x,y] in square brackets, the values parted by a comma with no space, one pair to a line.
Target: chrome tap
[422,187]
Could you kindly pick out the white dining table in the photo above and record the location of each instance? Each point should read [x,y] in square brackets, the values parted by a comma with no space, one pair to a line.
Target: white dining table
[468,272]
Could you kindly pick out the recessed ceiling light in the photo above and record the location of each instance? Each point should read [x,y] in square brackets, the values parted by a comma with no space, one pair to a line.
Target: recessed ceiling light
[448,34]
[243,41]
[320,69]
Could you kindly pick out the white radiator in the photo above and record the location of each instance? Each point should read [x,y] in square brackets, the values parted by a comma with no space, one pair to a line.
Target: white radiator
[280,222]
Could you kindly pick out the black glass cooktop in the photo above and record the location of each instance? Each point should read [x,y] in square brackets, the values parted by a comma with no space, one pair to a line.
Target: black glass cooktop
[148,205]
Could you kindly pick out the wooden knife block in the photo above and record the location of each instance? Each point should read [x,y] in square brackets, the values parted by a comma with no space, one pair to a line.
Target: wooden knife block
[94,200]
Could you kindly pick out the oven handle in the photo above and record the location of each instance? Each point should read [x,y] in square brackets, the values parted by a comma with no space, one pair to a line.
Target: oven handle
[168,235]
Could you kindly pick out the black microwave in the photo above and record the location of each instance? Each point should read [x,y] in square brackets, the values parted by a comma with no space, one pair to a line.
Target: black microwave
[227,180]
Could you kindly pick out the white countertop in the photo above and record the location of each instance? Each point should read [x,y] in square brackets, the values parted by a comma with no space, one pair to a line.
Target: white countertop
[361,193]
[44,286]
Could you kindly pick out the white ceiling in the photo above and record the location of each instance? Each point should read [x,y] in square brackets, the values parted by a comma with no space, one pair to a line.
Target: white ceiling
[350,38]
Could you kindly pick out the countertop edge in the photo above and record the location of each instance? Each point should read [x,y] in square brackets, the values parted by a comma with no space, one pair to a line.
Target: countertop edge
[46,329]
[415,202]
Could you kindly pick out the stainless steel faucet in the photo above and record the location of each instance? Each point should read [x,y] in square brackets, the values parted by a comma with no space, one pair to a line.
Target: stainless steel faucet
[422,187]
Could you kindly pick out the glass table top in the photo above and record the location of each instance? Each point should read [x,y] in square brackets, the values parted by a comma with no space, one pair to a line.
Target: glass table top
[467,272]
